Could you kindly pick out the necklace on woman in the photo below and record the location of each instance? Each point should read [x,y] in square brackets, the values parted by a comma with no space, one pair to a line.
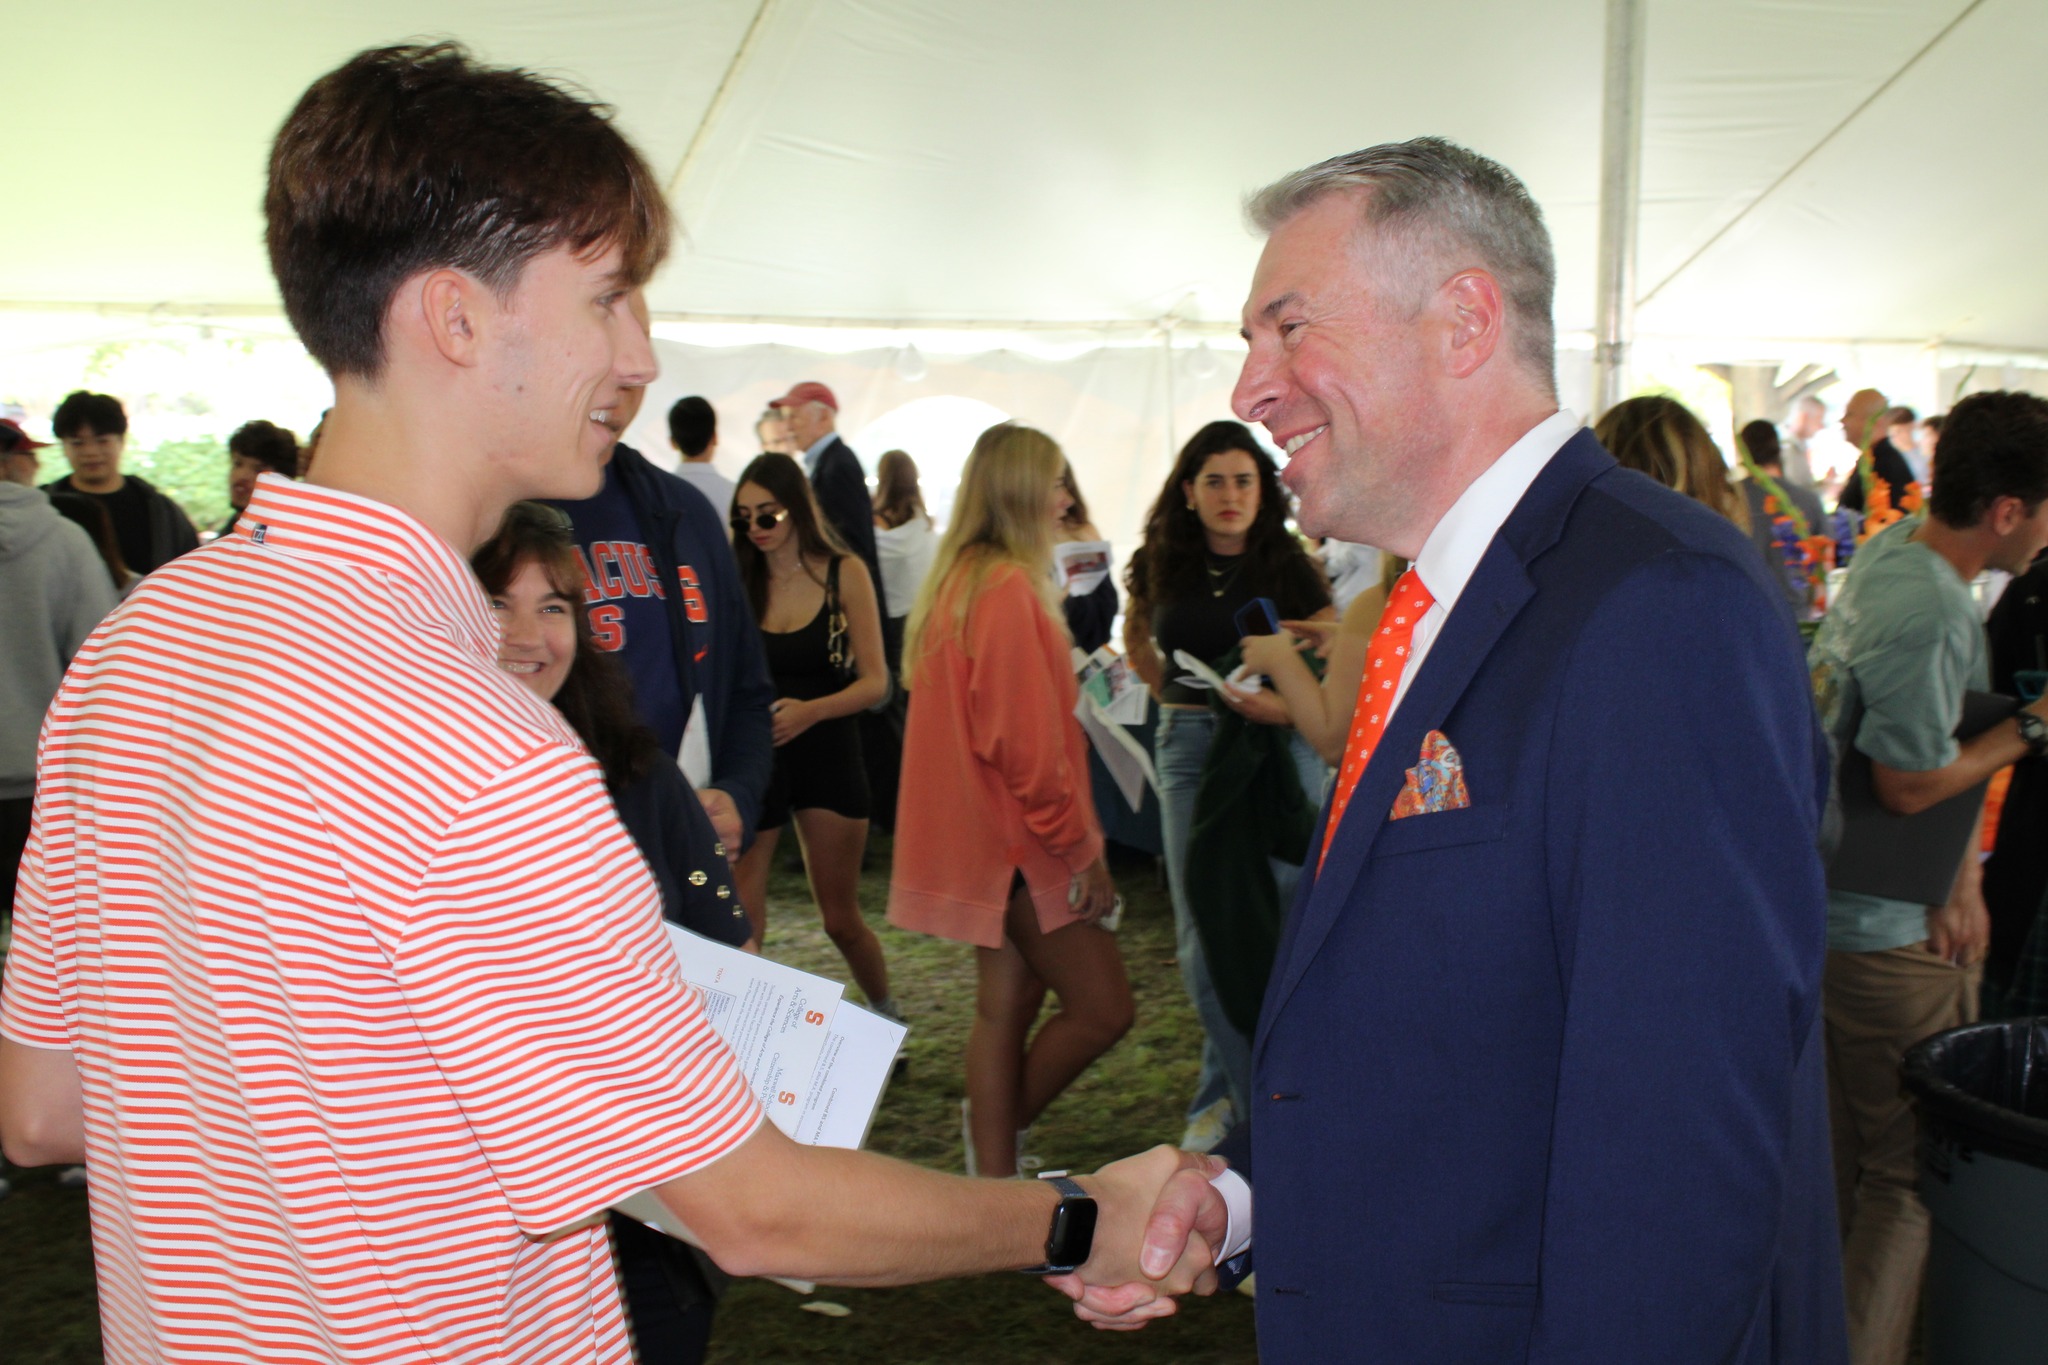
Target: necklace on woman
[1221,579]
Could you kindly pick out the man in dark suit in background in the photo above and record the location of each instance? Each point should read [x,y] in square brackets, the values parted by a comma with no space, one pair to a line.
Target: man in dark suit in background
[1539,1074]
[836,476]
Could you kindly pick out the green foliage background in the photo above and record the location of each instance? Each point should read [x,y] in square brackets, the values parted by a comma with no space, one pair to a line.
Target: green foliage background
[192,473]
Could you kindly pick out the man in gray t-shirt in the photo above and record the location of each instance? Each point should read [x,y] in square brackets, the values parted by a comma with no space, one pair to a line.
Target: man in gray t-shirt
[1891,663]
[1890,666]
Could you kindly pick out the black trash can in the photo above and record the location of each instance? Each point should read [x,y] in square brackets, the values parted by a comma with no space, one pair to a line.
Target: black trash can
[1982,1093]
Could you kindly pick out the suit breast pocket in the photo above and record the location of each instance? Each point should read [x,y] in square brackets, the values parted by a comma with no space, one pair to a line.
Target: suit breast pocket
[1441,829]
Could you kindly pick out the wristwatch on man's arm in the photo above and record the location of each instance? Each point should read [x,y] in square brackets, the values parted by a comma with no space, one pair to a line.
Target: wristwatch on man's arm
[1072,1235]
[2033,733]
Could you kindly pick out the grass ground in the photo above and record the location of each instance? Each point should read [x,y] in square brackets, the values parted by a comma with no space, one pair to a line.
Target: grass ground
[1131,1098]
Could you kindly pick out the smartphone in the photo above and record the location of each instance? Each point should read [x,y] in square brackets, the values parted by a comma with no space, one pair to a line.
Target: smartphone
[1258,617]
[1114,920]
[1111,921]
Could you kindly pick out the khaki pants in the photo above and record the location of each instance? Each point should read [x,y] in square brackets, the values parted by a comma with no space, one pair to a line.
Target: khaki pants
[1877,1006]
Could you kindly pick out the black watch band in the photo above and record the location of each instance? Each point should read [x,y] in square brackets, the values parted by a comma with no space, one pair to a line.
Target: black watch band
[2034,733]
[1072,1235]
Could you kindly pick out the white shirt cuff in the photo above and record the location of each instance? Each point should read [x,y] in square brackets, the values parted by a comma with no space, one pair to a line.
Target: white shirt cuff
[1237,1201]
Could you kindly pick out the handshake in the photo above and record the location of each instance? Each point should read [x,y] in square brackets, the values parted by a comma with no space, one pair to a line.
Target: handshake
[1159,1224]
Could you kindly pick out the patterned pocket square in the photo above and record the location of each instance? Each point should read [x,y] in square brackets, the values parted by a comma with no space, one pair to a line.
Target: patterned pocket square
[1435,783]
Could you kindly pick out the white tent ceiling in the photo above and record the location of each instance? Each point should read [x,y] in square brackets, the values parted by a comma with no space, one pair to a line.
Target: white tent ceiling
[1818,169]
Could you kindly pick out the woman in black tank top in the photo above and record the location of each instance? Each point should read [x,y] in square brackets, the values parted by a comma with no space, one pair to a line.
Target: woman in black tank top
[821,626]
[1216,539]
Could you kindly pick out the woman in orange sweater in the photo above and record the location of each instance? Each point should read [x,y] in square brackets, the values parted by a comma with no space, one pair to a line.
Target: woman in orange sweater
[997,842]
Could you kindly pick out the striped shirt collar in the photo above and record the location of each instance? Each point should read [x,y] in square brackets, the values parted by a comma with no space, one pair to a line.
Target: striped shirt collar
[326,523]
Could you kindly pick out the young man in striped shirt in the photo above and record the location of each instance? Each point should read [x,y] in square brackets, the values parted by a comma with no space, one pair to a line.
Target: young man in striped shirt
[331,958]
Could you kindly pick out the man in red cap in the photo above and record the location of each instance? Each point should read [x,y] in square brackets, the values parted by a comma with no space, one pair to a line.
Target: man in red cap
[18,458]
[836,476]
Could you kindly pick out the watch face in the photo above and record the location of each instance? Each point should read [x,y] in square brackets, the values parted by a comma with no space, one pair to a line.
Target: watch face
[1073,1232]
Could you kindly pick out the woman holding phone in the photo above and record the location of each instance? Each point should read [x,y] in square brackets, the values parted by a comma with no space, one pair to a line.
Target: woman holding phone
[1216,540]
[997,843]
[1320,708]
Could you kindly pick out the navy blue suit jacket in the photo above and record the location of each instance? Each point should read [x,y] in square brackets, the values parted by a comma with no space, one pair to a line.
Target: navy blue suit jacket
[719,658]
[842,491]
[1540,1079]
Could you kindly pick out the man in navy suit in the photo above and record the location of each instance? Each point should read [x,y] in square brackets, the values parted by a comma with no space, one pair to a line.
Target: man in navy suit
[1538,1076]
[841,487]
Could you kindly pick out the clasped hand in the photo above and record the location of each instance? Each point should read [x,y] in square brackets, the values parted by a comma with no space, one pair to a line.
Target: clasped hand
[1158,1222]
[790,717]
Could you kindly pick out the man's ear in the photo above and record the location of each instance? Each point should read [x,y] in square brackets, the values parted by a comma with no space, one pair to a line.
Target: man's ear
[2007,512]
[1478,318]
[450,311]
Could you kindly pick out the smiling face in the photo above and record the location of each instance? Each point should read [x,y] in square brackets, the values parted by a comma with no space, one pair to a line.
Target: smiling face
[242,472]
[571,354]
[753,502]
[537,630]
[1225,496]
[95,460]
[632,396]
[1342,376]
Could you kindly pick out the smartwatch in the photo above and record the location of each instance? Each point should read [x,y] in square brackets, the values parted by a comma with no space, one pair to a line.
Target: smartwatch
[1072,1235]
[2034,731]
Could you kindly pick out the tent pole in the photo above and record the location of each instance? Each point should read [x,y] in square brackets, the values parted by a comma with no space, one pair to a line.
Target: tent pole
[1172,398]
[1621,171]
[719,97]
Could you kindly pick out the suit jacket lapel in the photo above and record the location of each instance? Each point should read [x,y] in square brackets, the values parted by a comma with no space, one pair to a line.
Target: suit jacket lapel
[1499,588]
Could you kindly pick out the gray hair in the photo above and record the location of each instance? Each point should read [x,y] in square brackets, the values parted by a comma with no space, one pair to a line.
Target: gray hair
[1440,205]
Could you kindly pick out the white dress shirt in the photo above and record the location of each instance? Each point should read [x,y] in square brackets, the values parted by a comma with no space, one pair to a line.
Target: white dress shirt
[817,450]
[1449,558]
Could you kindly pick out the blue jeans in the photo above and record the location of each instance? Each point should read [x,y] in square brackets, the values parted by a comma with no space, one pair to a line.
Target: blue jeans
[1180,747]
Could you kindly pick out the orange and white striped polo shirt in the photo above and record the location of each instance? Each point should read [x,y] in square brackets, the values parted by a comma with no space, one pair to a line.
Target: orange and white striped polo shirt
[365,983]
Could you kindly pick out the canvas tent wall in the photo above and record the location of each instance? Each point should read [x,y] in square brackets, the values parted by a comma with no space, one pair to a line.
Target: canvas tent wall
[1061,179]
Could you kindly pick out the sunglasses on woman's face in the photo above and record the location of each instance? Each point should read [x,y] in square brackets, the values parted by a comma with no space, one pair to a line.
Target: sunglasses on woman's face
[763,522]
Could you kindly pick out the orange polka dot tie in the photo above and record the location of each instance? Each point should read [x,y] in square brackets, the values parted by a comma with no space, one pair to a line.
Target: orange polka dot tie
[1384,661]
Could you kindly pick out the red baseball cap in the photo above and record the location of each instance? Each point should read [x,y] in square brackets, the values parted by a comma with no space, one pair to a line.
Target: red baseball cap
[810,391]
[13,438]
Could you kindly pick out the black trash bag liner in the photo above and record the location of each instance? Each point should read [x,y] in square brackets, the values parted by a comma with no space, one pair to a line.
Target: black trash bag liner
[1986,1087]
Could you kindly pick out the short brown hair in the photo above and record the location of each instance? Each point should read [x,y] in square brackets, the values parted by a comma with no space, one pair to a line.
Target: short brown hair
[269,444]
[1440,208]
[406,159]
